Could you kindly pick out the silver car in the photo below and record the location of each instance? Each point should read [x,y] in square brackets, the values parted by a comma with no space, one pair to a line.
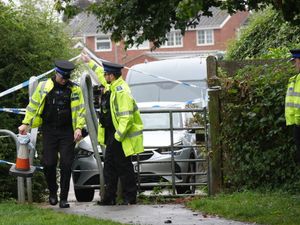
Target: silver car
[157,143]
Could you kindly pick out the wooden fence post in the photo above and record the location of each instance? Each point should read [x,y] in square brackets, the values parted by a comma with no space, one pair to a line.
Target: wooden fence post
[215,154]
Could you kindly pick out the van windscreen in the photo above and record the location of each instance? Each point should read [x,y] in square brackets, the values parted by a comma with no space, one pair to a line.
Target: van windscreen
[158,80]
[168,91]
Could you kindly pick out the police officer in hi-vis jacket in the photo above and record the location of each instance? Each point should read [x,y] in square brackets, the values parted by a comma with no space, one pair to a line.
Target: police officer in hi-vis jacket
[57,106]
[292,103]
[120,129]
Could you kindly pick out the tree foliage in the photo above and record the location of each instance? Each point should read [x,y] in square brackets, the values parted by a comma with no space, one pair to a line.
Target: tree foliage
[267,35]
[128,18]
[31,39]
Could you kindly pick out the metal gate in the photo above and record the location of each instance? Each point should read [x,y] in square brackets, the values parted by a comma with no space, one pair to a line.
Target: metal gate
[175,171]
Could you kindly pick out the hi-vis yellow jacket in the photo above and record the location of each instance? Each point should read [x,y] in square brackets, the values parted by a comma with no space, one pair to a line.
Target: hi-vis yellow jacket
[292,101]
[36,105]
[125,114]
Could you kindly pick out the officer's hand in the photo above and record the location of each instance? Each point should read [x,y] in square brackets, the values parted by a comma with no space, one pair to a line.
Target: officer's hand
[77,135]
[23,129]
[84,57]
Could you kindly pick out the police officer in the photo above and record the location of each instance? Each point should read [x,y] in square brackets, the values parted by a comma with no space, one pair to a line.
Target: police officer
[120,129]
[292,103]
[57,106]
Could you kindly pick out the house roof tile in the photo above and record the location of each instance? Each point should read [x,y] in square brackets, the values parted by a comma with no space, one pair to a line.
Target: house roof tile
[85,24]
[215,21]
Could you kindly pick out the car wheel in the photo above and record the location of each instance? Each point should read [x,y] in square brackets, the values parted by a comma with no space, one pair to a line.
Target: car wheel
[189,179]
[84,195]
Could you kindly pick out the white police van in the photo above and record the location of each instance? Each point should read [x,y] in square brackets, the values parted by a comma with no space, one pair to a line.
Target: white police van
[156,81]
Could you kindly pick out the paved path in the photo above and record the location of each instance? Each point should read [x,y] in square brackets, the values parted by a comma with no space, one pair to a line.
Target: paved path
[174,214]
[146,214]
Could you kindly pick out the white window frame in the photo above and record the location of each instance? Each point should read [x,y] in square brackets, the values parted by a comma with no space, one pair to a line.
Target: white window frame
[173,33]
[103,41]
[144,45]
[205,37]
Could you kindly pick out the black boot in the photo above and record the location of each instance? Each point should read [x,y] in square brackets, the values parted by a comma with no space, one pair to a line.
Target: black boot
[64,204]
[53,199]
[128,202]
[107,202]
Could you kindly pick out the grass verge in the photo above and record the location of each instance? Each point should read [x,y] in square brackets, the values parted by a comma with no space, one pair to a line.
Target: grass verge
[23,214]
[272,208]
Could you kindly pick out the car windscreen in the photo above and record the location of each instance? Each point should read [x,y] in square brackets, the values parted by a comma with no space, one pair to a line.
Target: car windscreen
[161,120]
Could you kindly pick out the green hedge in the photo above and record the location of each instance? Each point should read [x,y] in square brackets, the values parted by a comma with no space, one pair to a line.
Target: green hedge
[31,39]
[258,148]
[265,30]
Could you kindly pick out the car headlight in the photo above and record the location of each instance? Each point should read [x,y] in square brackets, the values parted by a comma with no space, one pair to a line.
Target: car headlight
[177,149]
[176,152]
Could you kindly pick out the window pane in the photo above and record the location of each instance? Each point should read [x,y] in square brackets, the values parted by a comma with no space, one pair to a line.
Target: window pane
[170,41]
[174,39]
[169,36]
[209,36]
[201,37]
[103,45]
[145,44]
[205,37]
[102,38]
[178,38]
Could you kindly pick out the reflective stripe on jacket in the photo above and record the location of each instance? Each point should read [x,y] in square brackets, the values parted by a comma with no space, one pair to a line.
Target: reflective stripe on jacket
[36,105]
[125,114]
[292,101]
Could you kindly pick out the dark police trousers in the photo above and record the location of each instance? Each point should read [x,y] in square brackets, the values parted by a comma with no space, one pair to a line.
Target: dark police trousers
[297,142]
[116,165]
[58,140]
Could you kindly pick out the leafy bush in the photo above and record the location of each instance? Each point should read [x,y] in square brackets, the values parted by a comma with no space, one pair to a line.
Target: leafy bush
[265,32]
[258,147]
[31,39]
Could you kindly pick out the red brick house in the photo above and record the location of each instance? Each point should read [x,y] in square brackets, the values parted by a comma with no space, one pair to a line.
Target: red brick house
[210,37]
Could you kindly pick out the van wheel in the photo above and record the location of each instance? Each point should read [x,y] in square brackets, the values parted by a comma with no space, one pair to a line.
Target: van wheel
[190,179]
[84,195]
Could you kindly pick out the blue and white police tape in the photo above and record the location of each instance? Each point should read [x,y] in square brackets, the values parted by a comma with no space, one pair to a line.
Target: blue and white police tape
[13,110]
[195,101]
[202,101]
[26,83]
[6,162]
[10,163]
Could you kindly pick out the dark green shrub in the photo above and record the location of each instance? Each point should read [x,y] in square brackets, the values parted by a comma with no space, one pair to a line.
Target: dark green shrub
[258,147]
[265,31]
[31,39]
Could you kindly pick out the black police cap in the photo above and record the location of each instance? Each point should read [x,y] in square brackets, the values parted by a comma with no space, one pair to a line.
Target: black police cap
[64,68]
[295,53]
[110,67]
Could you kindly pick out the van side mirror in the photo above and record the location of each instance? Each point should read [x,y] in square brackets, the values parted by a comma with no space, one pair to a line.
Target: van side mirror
[191,131]
[200,137]
[84,132]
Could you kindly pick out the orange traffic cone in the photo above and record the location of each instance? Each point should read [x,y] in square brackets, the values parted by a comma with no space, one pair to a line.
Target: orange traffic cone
[22,162]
